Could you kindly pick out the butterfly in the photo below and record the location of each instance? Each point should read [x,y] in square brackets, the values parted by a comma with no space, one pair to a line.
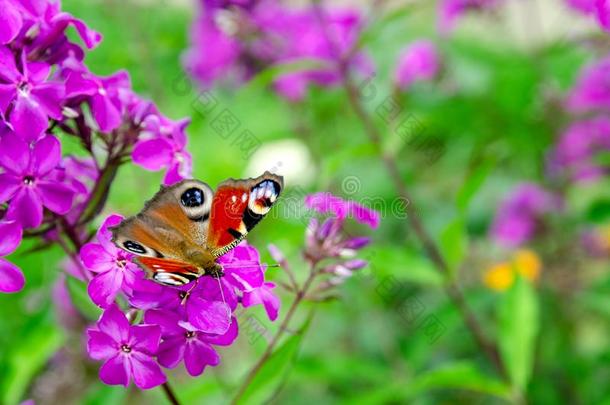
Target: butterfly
[185,227]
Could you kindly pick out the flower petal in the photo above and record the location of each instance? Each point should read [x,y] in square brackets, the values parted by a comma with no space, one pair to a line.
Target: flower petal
[198,355]
[95,258]
[26,208]
[10,237]
[146,372]
[28,119]
[226,339]
[106,114]
[56,196]
[9,184]
[265,296]
[46,155]
[10,22]
[208,316]
[114,371]
[145,338]
[100,346]
[171,351]
[14,154]
[167,320]
[153,154]
[11,277]
[104,287]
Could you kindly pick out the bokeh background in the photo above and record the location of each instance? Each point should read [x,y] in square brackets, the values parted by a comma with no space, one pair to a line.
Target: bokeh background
[493,113]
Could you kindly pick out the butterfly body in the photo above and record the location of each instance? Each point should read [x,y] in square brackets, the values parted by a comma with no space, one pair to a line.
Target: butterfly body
[184,228]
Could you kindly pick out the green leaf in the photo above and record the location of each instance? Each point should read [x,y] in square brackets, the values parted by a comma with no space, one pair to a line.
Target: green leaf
[80,298]
[274,370]
[473,183]
[518,328]
[599,211]
[28,356]
[454,243]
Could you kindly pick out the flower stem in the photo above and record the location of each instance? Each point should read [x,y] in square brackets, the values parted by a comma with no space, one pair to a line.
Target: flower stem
[430,247]
[169,393]
[300,295]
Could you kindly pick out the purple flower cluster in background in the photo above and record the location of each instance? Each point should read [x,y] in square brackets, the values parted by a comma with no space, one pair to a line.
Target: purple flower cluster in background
[46,89]
[450,11]
[232,41]
[600,9]
[419,61]
[521,214]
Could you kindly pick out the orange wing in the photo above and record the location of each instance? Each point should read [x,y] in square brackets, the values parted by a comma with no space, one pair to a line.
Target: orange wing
[167,271]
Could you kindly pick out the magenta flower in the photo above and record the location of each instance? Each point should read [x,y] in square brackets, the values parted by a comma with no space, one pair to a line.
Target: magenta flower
[575,152]
[584,6]
[592,89]
[450,11]
[11,277]
[263,295]
[188,345]
[602,12]
[163,145]
[327,203]
[30,96]
[103,94]
[113,267]
[418,61]
[212,54]
[127,350]
[521,214]
[28,180]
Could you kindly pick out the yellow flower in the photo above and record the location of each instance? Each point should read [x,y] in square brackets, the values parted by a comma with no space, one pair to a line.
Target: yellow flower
[499,277]
[528,264]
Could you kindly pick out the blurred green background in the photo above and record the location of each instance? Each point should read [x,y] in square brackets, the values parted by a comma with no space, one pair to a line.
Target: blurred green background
[495,113]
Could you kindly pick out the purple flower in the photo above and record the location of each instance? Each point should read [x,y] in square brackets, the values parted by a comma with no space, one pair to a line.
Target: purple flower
[28,180]
[584,6]
[163,145]
[11,278]
[103,94]
[212,54]
[127,350]
[418,61]
[521,213]
[577,147]
[328,203]
[263,295]
[602,12]
[113,267]
[592,89]
[452,10]
[30,96]
[192,346]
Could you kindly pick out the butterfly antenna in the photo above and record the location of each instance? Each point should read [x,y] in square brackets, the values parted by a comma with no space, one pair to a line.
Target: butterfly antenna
[228,266]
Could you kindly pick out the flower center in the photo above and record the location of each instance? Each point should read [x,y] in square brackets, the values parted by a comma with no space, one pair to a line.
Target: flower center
[190,334]
[28,180]
[125,349]
[121,263]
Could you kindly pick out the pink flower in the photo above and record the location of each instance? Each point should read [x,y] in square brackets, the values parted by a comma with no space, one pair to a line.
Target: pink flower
[113,267]
[28,180]
[191,346]
[418,61]
[520,214]
[11,278]
[452,10]
[602,12]
[32,98]
[127,350]
[263,295]
[163,145]
[592,89]
[328,203]
[103,94]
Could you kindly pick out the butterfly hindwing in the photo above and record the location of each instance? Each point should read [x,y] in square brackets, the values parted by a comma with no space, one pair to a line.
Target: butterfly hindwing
[237,206]
[167,271]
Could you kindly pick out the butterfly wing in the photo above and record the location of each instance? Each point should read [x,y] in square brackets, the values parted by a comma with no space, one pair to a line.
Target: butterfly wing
[237,206]
[172,228]
[167,271]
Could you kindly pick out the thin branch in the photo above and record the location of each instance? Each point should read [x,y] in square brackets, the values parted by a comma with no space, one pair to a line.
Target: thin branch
[169,393]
